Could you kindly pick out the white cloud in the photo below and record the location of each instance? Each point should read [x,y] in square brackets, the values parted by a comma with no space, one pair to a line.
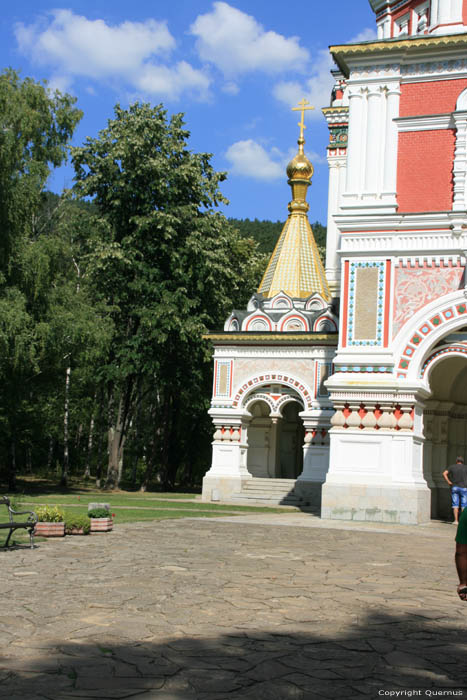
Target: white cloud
[73,46]
[236,43]
[251,159]
[317,89]
[157,80]
[365,35]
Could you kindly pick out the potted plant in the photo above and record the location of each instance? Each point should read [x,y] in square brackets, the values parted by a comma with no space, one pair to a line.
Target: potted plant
[101,520]
[76,524]
[51,521]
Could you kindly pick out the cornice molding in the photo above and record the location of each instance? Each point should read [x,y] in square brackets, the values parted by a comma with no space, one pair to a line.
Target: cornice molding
[427,122]
[269,338]
[343,52]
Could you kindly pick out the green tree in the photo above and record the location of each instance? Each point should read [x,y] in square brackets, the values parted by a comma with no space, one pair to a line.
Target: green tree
[168,266]
[35,128]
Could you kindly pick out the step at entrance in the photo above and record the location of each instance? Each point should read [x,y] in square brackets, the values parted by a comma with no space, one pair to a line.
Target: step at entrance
[269,492]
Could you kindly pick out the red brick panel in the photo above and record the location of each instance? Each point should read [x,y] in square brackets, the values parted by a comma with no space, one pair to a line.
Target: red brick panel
[437,97]
[424,170]
[464,12]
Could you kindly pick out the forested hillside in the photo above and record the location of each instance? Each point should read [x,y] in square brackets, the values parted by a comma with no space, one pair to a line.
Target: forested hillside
[106,292]
[266,233]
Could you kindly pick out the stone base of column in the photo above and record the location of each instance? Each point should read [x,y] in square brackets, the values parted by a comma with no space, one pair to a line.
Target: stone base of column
[406,505]
[221,488]
[309,492]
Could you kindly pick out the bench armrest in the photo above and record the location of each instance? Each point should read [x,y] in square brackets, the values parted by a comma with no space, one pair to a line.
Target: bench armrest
[24,512]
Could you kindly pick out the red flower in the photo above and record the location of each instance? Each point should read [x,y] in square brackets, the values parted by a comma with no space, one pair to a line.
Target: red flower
[113,515]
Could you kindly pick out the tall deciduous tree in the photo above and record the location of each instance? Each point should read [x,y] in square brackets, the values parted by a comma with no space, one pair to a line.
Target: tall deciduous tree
[35,127]
[168,265]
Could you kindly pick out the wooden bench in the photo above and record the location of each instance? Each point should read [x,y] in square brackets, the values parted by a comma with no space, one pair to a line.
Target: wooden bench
[13,525]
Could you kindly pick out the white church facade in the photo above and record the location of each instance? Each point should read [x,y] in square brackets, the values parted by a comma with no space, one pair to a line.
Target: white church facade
[347,383]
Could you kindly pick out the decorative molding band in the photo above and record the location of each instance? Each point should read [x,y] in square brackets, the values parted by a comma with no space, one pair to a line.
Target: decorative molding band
[268,338]
[395,243]
[267,378]
[457,349]
[365,369]
[290,353]
[385,416]
[425,122]
[424,330]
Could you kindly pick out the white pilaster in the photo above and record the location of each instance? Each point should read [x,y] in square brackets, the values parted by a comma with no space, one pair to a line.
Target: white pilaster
[355,139]
[373,142]
[337,173]
[390,142]
[460,162]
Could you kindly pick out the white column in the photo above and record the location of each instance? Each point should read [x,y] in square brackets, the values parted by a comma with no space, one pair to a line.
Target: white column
[373,141]
[354,151]
[336,182]
[391,140]
[444,12]
[460,162]
[434,13]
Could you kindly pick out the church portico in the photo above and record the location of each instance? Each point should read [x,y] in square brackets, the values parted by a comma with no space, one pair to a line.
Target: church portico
[445,418]
[273,426]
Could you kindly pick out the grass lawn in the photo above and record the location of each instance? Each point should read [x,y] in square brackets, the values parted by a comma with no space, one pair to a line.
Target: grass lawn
[128,507]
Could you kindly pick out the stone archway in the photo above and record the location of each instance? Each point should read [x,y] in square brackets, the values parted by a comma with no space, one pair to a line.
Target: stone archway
[275,436]
[445,423]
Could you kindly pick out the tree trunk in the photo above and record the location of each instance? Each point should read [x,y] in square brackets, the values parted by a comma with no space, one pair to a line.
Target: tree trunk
[66,422]
[87,468]
[12,466]
[116,442]
[50,454]
[99,463]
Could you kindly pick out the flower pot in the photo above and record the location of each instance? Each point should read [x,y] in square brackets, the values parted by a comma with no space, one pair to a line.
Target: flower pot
[101,524]
[49,529]
[76,531]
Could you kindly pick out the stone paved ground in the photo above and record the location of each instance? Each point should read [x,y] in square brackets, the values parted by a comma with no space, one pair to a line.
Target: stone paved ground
[253,607]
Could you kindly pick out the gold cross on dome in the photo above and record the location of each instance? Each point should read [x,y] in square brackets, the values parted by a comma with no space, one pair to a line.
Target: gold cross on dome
[302,107]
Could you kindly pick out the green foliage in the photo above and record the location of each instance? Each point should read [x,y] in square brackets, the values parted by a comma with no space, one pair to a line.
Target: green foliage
[76,521]
[50,514]
[107,291]
[266,233]
[98,513]
[169,267]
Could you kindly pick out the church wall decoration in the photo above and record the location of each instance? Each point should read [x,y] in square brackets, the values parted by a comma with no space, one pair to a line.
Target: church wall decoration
[416,287]
[365,311]
[223,378]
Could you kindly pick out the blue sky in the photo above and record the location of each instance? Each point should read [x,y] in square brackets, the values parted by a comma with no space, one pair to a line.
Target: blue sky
[234,68]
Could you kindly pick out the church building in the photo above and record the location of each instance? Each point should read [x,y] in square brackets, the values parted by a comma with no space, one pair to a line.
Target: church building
[345,388]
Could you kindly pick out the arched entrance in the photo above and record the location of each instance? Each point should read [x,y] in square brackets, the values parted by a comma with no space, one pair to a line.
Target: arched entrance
[445,419]
[275,437]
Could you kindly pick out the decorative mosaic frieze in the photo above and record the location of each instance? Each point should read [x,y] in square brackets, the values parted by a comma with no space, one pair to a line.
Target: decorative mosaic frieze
[279,378]
[223,378]
[416,287]
[366,300]
[424,330]
[455,349]
[434,67]
[380,369]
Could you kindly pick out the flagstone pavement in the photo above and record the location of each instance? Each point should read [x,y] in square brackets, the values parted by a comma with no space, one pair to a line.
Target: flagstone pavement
[260,607]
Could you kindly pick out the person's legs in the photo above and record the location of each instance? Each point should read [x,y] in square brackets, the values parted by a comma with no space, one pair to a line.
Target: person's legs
[461,566]
[455,501]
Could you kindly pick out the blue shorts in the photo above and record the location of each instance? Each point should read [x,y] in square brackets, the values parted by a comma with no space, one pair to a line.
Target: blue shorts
[458,497]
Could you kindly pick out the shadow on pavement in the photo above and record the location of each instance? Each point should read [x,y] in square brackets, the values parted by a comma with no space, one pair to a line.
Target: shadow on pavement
[381,653]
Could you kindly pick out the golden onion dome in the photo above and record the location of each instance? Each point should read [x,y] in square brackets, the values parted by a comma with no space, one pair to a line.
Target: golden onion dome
[300,167]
